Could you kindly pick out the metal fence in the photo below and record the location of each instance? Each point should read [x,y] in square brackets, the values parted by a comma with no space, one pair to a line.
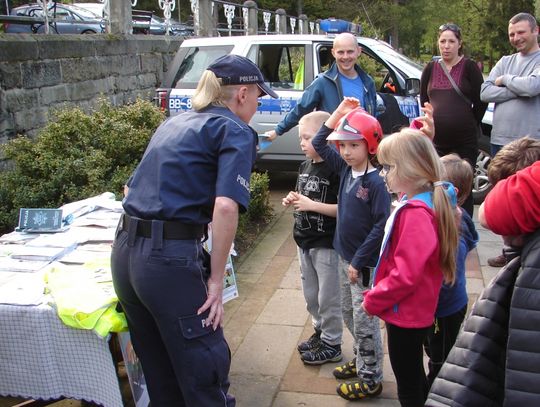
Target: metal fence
[210,18]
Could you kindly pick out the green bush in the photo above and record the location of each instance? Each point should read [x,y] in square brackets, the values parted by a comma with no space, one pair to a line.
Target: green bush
[259,204]
[76,156]
[259,211]
[79,155]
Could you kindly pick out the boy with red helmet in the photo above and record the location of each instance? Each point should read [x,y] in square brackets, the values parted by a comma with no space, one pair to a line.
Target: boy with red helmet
[363,207]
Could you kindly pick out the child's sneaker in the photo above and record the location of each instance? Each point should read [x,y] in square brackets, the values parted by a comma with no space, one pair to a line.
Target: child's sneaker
[346,371]
[324,353]
[313,342]
[358,390]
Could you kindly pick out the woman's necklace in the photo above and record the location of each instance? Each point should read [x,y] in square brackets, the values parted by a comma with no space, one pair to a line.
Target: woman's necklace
[450,65]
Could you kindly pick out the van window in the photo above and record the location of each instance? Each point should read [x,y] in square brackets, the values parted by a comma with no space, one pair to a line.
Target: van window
[282,65]
[325,57]
[385,80]
[195,63]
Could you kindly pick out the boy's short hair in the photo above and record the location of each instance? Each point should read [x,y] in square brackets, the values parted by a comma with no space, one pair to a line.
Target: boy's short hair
[513,157]
[314,119]
[460,173]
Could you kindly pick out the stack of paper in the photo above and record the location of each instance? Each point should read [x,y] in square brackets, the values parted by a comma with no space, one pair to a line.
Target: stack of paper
[36,253]
[22,289]
[27,266]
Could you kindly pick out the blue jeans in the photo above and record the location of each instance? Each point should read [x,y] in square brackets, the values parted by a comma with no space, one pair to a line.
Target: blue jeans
[160,284]
[320,283]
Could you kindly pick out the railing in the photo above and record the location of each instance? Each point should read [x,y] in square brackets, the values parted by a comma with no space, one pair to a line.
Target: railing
[219,17]
[210,18]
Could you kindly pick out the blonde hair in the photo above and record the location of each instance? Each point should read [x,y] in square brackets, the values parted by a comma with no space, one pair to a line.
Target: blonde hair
[460,173]
[210,91]
[417,162]
[314,120]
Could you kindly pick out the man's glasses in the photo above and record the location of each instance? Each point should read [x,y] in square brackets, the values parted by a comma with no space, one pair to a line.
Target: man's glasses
[452,27]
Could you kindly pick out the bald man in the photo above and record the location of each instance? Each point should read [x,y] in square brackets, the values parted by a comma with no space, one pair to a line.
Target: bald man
[344,78]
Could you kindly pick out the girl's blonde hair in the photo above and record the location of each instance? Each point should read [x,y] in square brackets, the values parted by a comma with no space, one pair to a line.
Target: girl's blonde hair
[416,161]
[210,91]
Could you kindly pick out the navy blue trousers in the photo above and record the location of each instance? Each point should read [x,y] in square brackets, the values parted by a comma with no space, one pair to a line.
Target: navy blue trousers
[161,284]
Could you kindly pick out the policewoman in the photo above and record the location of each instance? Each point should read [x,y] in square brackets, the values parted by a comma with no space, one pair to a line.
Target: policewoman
[195,170]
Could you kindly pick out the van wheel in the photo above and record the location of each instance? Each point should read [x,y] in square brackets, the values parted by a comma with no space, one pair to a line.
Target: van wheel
[481,184]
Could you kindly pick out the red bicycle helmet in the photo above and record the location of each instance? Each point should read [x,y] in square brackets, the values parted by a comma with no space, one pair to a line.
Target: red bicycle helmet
[358,125]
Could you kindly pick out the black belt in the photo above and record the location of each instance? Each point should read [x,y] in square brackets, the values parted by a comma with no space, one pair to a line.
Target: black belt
[173,230]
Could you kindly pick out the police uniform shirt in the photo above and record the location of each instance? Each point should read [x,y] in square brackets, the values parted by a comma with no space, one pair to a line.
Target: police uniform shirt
[191,159]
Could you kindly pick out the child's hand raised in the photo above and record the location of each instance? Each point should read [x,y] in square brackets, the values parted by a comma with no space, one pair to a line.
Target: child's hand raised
[426,121]
[346,105]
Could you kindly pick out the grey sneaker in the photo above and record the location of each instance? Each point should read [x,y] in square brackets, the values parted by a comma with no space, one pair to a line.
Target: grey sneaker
[313,342]
[324,353]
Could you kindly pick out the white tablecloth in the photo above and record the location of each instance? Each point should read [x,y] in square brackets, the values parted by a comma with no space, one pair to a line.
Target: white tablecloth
[41,358]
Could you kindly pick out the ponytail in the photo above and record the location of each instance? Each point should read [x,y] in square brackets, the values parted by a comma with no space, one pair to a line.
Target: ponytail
[447,231]
[210,91]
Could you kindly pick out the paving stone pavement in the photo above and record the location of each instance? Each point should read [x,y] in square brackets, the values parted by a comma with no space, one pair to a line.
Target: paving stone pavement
[267,321]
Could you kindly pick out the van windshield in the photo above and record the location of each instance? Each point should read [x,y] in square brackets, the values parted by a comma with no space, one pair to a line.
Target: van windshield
[195,62]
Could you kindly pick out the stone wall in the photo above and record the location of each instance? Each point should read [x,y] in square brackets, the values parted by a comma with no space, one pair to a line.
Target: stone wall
[39,73]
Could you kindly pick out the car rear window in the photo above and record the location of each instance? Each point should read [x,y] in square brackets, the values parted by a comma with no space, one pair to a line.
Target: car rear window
[195,62]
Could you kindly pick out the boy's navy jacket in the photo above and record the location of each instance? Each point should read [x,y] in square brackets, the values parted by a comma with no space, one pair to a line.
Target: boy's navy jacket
[363,207]
[453,298]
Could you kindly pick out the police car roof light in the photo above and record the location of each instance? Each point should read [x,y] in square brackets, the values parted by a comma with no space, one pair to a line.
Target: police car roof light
[335,26]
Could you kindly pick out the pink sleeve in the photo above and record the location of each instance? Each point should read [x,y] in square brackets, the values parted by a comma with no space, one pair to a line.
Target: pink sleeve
[415,242]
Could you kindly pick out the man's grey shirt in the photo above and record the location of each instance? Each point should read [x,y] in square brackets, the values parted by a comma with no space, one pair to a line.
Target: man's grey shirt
[517,103]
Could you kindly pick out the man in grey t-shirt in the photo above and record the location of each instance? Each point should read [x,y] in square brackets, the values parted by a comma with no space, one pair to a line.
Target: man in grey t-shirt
[514,85]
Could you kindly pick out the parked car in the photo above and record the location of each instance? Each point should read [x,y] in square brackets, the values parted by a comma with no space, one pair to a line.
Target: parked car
[158,27]
[68,19]
[157,24]
[290,63]
[96,8]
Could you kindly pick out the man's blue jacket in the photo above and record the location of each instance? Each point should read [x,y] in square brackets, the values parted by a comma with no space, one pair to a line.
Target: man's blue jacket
[325,93]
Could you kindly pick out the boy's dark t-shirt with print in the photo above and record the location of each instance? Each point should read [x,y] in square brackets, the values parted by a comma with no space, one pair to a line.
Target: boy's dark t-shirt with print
[319,183]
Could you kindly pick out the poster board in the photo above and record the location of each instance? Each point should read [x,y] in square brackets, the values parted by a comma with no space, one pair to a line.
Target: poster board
[230,289]
[137,383]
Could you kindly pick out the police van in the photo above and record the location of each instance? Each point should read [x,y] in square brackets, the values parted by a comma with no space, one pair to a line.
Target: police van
[289,64]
